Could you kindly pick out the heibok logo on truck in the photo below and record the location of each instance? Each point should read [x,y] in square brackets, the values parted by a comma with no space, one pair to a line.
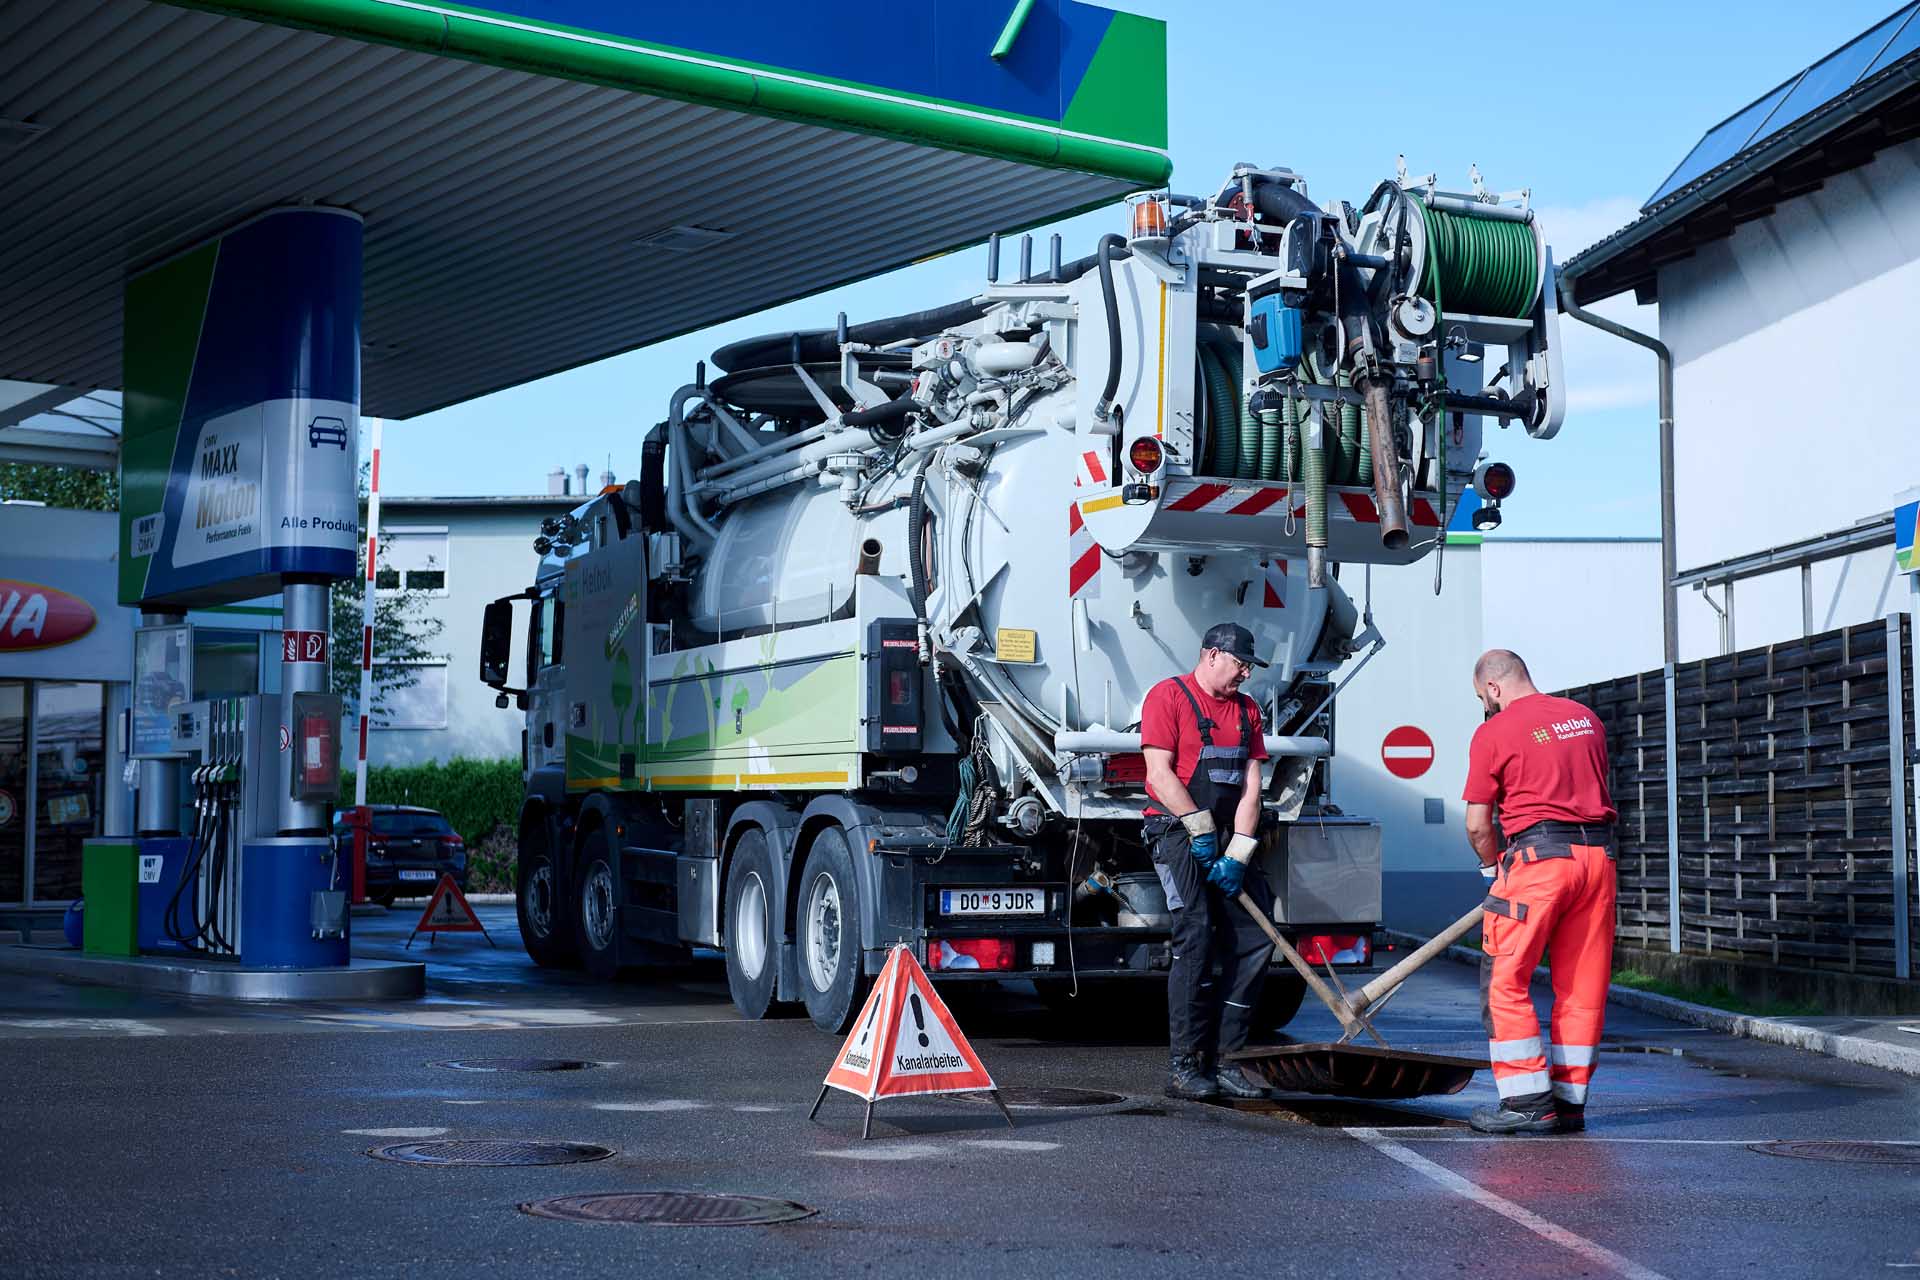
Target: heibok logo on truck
[37,617]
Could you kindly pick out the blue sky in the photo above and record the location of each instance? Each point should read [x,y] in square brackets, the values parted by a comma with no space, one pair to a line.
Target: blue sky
[1590,106]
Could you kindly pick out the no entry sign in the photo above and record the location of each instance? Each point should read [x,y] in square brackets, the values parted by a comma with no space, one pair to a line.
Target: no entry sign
[1407,751]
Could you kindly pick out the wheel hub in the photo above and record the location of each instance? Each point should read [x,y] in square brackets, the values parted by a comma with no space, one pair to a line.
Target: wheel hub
[540,900]
[596,907]
[823,932]
[747,940]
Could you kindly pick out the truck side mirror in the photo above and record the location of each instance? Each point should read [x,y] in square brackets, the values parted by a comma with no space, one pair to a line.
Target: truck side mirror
[496,643]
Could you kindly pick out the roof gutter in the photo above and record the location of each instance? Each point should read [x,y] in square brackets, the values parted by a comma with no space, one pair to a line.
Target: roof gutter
[1669,607]
[1738,171]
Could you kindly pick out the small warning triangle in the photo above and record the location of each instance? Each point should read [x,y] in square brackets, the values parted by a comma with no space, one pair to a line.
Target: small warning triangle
[906,1042]
[448,911]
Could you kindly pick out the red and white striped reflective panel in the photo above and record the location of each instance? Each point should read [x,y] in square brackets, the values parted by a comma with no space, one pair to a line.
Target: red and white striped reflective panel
[1275,572]
[1208,498]
[1083,556]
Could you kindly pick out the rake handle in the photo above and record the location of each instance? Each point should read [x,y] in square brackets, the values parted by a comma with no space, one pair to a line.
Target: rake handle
[1318,985]
[1378,989]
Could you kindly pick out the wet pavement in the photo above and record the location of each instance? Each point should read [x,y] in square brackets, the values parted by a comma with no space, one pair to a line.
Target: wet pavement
[151,1135]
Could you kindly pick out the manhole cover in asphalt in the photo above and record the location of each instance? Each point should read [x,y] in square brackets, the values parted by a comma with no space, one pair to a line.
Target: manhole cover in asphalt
[670,1209]
[488,1151]
[518,1064]
[1040,1096]
[1847,1152]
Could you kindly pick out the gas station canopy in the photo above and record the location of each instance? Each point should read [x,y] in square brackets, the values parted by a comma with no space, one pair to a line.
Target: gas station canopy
[545,183]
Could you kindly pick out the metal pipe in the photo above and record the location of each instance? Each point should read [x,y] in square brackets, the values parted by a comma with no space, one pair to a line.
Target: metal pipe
[869,561]
[303,607]
[782,470]
[1386,467]
[691,524]
[1474,208]
[1669,605]
[1673,819]
[1114,742]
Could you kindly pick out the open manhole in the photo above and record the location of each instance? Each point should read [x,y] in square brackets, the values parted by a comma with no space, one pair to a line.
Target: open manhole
[1845,1152]
[489,1151]
[1047,1097]
[518,1064]
[670,1209]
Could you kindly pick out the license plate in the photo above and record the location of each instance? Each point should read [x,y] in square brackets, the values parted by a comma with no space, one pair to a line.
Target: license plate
[417,875]
[992,902]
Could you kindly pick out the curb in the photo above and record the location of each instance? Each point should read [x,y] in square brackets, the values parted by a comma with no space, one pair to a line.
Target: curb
[1791,1035]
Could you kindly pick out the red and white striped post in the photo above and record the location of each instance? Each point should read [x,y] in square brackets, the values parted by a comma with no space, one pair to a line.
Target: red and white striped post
[362,815]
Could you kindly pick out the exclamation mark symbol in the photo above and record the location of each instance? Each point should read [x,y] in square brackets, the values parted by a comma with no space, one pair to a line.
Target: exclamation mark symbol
[919,1018]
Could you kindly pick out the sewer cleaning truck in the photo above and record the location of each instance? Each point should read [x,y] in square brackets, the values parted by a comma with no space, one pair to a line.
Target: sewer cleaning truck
[858,659]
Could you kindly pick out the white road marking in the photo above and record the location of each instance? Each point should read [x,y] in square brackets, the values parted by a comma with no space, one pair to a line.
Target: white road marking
[397,1133]
[465,1102]
[665,1104]
[1011,1144]
[1598,1254]
[456,1019]
[119,1026]
[902,1151]
[751,1107]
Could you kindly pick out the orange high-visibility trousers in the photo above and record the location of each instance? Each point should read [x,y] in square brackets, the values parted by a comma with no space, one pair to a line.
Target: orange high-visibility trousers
[1552,898]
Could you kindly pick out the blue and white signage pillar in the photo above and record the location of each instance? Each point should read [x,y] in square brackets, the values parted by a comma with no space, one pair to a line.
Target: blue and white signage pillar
[238,468]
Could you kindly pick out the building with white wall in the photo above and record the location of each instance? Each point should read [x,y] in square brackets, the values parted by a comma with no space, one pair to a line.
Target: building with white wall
[1784,254]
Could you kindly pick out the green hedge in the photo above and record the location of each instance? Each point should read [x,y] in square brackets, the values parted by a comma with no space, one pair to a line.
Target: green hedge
[475,795]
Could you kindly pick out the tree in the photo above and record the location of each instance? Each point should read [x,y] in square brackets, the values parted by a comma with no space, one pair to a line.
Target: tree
[77,488]
[403,632]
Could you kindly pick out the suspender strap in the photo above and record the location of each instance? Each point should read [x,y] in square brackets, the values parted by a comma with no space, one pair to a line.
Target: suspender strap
[1206,725]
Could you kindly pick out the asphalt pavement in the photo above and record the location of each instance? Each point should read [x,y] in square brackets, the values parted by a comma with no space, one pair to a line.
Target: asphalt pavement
[151,1135]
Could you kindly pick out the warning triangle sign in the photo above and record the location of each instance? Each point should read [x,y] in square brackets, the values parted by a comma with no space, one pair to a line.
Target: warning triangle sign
[448,911]
[906,1041]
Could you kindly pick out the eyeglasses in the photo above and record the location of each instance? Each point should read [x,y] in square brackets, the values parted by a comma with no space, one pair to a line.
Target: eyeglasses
[1246,668]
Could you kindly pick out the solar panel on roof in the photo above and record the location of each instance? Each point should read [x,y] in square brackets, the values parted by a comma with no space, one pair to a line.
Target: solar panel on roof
[1867,54]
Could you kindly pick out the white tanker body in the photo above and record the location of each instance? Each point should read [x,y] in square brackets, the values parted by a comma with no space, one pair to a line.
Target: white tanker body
[860,658]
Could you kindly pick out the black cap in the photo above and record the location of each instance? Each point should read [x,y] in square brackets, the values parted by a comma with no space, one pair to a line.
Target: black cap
[1231,637]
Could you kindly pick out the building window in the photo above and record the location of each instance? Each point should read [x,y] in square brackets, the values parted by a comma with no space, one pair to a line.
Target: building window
[421,705]
[414,558]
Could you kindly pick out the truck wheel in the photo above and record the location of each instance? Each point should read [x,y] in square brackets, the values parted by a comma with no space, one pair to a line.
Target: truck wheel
[546,922]
[1279,1000]
[597,930]
[828,928]
[749,936]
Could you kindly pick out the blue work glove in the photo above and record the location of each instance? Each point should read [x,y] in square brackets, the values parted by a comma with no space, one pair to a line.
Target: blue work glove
[1228,875]
[1202,838]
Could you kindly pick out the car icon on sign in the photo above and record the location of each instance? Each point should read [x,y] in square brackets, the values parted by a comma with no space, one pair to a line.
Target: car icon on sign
[327,431]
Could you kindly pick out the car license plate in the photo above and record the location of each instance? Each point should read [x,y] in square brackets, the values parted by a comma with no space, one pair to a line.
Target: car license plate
[992,902]
[416,875]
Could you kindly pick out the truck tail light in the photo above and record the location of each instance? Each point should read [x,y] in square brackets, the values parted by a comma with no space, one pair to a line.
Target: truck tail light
[1335,948]
[1146,455]
[970,953]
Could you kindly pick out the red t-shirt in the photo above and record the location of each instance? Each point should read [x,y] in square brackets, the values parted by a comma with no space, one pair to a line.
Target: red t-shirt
[1542,759]
[1166,722]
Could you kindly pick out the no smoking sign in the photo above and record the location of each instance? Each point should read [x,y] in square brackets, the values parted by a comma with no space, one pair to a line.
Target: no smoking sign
[1407,751]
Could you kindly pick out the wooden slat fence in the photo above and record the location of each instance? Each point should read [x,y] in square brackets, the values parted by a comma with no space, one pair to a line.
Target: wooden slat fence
[1785,812]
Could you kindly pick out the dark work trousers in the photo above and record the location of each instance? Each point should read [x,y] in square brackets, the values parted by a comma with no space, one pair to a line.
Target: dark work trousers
[1208,1015]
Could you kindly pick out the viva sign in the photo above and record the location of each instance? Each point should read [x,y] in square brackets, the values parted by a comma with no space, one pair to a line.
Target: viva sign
[242,413]
[37,617]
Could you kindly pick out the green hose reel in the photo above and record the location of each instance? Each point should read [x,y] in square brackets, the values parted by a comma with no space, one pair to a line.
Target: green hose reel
[1481,266]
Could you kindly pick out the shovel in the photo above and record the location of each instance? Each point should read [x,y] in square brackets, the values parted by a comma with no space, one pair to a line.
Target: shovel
[1351,1070]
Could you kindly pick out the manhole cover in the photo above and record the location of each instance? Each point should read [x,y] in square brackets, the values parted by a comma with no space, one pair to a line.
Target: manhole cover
[489,1151]
[1036,1097]
[670,1209]
[518,1064]
[1847,1152]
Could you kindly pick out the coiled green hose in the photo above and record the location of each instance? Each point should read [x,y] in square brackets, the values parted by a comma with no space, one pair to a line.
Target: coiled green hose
[1483,266]
[1347,444]
[1224,457]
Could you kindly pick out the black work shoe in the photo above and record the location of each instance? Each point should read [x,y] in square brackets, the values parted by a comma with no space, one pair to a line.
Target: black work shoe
[1573,1117]
[1233,1083]
[1186,1080]
[1518,1118]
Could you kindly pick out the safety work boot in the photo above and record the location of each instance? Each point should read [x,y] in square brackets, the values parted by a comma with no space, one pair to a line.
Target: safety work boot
[1233,1083]
[1519,1115]
[1186,1080]
[1573,1116]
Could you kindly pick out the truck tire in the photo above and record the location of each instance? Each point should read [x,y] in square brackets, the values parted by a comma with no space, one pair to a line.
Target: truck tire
[597,915]
[752,950]
[1279,1001]
[827,934]
[546,917]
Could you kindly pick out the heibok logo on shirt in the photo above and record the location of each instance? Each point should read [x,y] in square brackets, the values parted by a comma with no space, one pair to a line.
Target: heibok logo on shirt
[37,617]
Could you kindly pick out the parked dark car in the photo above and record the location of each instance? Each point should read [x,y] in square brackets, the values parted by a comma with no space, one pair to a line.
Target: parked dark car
[408,850]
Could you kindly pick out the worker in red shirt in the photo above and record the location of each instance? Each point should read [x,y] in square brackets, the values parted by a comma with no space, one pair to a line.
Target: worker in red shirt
[1203,743]
[1541,761]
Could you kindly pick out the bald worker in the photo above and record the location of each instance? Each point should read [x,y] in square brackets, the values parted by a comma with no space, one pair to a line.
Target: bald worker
[1540,762]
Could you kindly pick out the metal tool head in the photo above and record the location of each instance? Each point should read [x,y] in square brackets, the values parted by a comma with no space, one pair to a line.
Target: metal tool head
[1357,1071]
